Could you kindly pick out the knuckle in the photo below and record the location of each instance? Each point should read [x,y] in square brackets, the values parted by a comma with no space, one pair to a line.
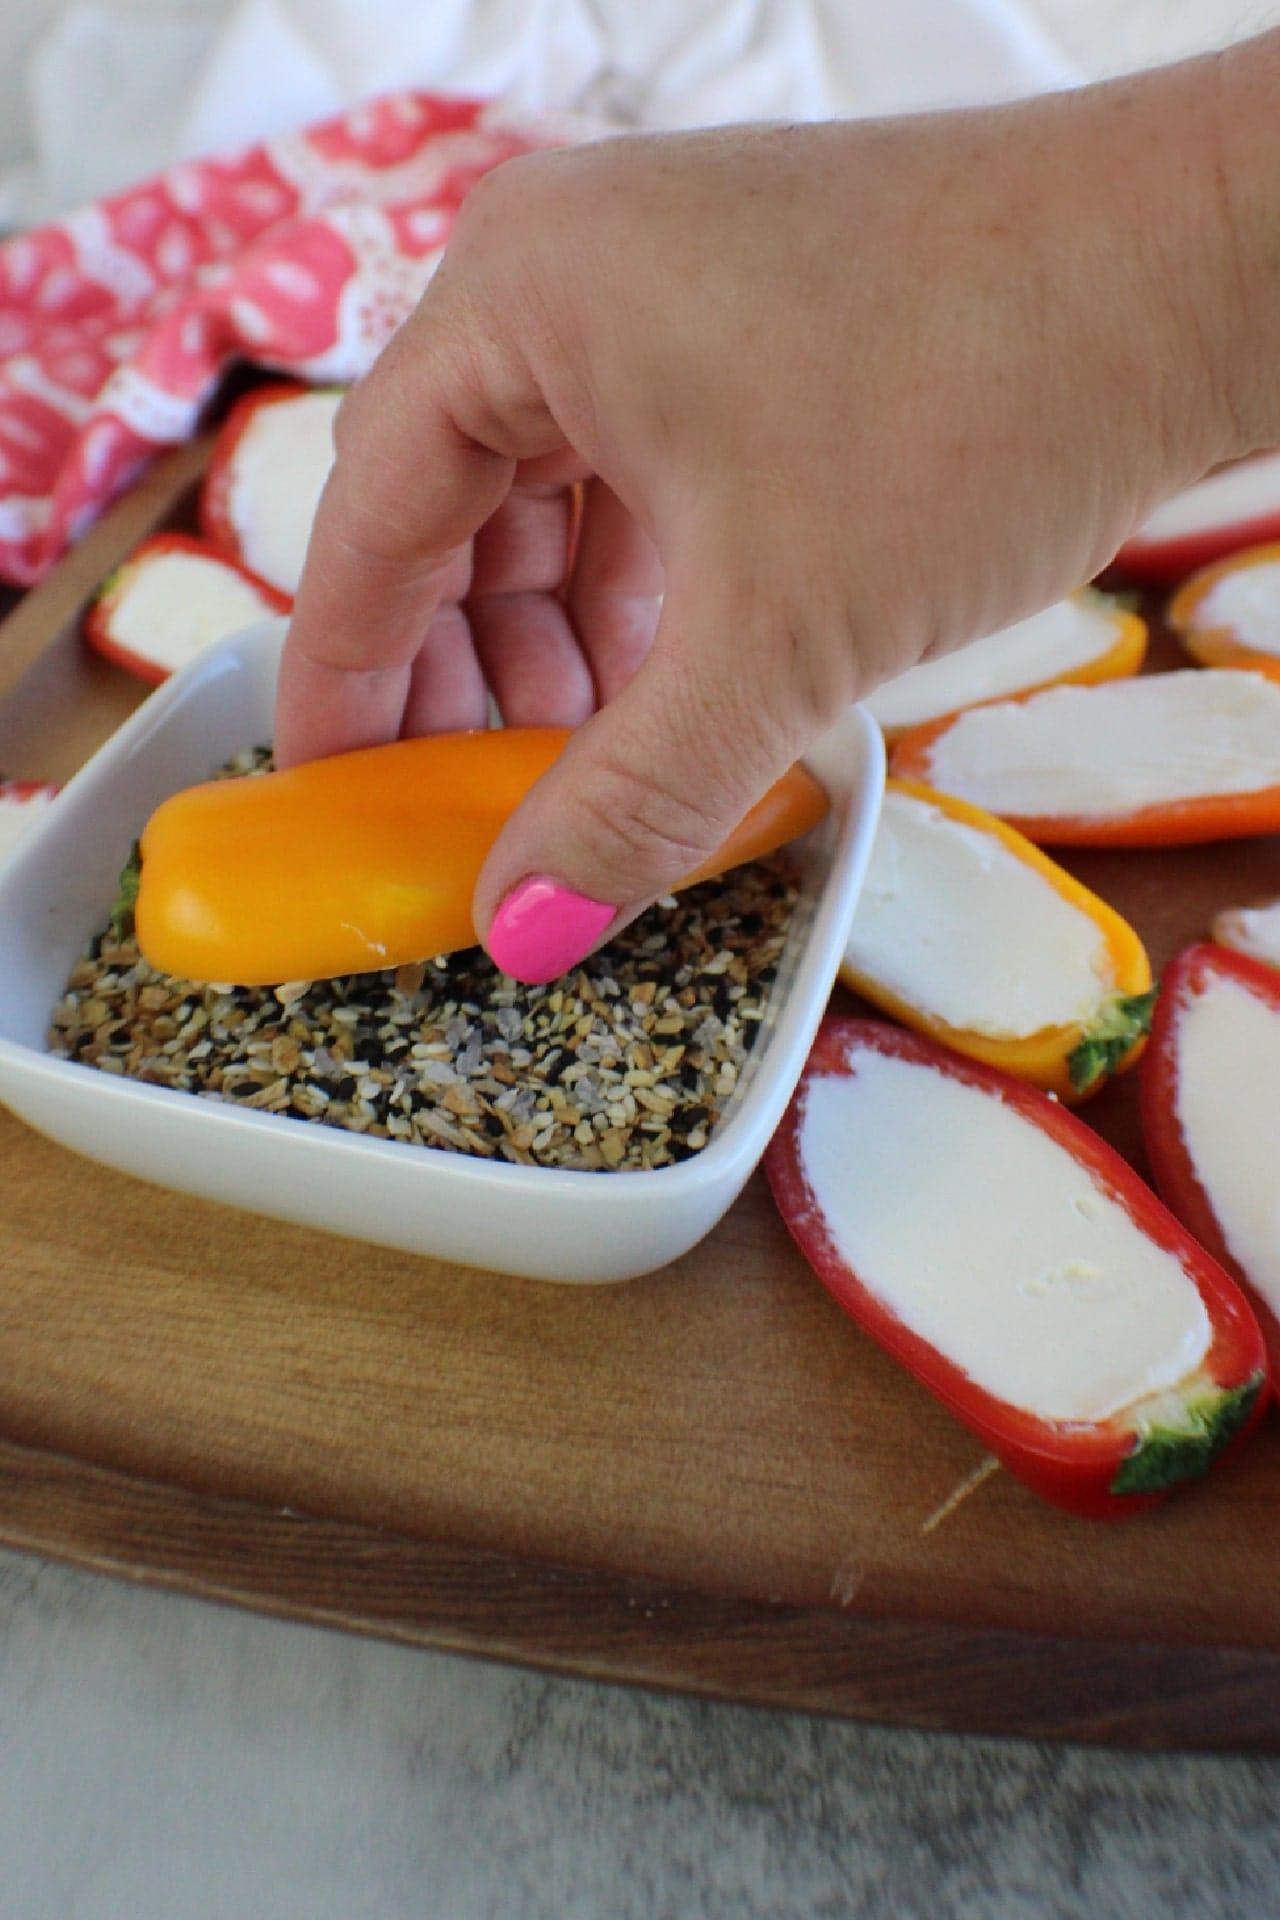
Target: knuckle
[631,814]
[500,199]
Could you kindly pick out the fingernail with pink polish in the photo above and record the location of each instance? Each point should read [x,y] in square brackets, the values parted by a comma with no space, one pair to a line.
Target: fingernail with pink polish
[543,928]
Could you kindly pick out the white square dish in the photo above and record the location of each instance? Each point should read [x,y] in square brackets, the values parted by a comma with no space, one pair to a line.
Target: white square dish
[540,1222]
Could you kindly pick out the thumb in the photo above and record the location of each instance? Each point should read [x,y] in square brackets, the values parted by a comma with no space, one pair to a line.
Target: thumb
[643,794]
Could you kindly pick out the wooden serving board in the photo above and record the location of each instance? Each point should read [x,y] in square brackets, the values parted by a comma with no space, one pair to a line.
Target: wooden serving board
[708,1479]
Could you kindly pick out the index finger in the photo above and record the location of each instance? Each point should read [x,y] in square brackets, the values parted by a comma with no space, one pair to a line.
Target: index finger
[427,445]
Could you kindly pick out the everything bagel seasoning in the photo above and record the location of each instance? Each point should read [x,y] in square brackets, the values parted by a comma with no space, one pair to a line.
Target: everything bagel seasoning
[625,1064]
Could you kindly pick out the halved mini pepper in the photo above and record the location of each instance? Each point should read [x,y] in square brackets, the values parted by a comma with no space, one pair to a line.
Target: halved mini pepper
[1228,615]
[1167,759]
[1236,506]
[172,597]
[967,932]
[1211,1114]
[269,464]
[363,861]
[1017,1266]
[1081,640]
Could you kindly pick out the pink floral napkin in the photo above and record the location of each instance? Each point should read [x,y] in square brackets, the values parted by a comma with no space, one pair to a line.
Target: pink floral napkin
[302,254]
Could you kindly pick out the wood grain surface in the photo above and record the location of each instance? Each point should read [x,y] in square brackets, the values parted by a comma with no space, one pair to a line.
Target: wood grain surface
[706,1479]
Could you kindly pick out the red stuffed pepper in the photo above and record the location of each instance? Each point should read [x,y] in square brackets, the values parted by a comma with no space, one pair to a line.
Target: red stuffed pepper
[268,467]
[1211,1113]
[1236,506]
[1017,1266]
[173,597]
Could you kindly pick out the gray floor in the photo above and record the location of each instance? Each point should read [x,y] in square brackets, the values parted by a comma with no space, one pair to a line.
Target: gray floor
[165,1760]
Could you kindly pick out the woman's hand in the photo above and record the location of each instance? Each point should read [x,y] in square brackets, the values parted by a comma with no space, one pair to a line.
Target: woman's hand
[852,395]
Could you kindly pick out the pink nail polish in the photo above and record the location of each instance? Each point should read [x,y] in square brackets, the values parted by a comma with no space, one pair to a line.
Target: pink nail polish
[543,928]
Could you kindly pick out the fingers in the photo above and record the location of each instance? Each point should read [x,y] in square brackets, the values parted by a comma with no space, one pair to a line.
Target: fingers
[409,489]
[532,660]
[446,691]
[550,655]
[644,793]
[523,636]
[615,595]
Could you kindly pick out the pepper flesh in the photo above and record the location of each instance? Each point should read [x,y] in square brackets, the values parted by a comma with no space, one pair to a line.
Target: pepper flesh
[1220,646]
[366,860]
[1102,1469]
[1074,1060]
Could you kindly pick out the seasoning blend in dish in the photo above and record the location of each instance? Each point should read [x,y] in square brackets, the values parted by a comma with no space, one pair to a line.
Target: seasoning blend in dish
[627,1063]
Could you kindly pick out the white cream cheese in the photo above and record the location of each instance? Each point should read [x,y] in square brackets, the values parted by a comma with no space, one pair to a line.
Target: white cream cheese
[1247,602]
[952,922]
[1228,1103]
[992,1243]
[1094,752]
[1236,494]
[1251,930]
[176,604]
[1060,640]
[279,469]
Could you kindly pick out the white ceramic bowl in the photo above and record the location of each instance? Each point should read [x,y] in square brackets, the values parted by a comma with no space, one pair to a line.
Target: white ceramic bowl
[545,1223]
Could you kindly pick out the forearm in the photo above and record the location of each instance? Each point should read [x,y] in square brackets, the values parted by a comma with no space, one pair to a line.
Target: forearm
[1195,183]
[1165,187]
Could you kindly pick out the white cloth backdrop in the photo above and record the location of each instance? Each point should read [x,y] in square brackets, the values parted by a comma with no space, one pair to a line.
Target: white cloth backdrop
[115,93]
[115,88]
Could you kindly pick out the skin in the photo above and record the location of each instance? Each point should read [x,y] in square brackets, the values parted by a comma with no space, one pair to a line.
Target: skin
[852,394]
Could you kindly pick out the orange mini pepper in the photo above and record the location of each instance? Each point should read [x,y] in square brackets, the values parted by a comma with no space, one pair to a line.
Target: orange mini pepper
[363,861]
[1210,641]
[1119,657]
[1075,1059]
[1176,821]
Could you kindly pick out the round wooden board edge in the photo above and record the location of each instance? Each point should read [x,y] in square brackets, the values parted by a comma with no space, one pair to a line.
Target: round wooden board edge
[600,1627]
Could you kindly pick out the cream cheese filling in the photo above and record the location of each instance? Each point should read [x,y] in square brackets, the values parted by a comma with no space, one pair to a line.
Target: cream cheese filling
[990,1241]
[1246,602]
[279,468]
[1237,494]
[1112,750]
[1060,640]
[1228,1104]
[951,922]
[1251,930]
[172,606]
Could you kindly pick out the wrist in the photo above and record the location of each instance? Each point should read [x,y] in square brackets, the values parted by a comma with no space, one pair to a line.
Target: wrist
[1191,154]
[1244,156]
